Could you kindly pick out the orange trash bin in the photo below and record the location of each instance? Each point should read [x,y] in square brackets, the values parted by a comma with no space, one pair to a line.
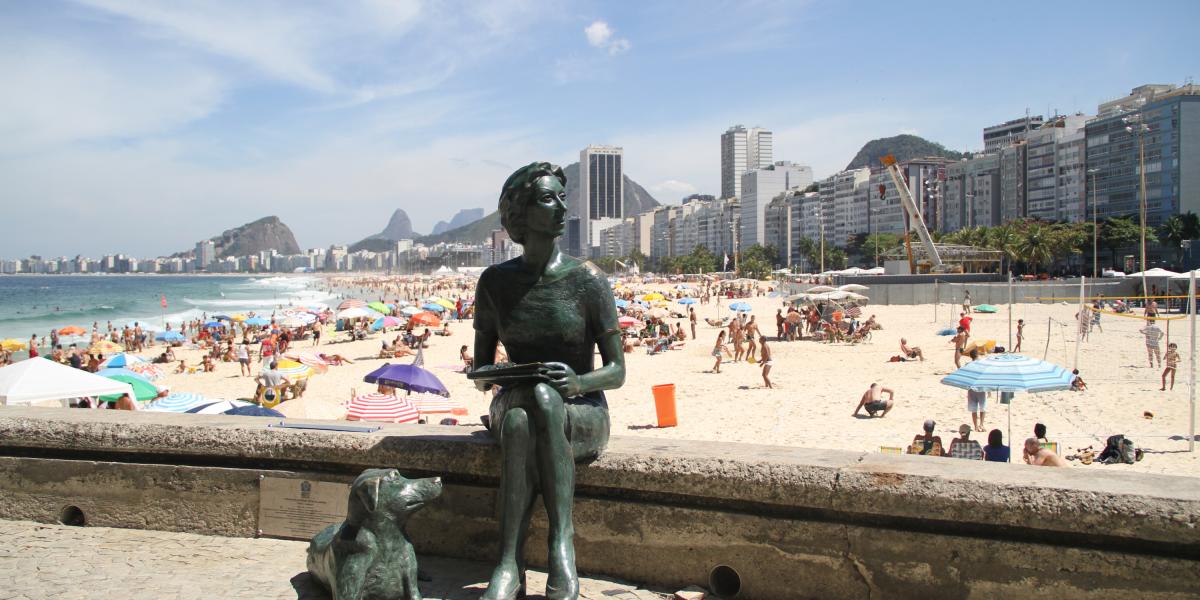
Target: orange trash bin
[664,404]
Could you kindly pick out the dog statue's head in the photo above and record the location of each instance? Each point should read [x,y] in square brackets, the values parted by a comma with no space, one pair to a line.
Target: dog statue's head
[386,491]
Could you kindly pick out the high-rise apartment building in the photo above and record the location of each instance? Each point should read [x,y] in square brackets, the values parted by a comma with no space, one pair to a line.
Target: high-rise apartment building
[205,254]
[971,195]
[743,150]
[601,193]
[759,187]
[1054,169]
[1008,132]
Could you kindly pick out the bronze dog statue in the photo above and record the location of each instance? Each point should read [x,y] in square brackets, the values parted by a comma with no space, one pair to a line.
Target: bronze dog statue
[368,556]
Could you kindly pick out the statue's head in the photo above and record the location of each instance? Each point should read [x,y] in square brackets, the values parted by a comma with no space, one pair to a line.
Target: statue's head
[526,186]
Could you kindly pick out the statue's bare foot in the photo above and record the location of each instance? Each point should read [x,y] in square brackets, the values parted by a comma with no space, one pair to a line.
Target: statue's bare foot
[508,583]
[562,582]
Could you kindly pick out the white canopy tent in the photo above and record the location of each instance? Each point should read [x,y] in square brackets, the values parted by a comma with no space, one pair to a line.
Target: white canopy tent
[1152,273]
[38,380]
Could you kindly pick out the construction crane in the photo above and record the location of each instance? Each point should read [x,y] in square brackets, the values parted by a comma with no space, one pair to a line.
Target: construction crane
[917,221]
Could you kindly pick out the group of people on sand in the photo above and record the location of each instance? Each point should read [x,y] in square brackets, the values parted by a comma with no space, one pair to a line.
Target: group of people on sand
[749,344]
[1036,450]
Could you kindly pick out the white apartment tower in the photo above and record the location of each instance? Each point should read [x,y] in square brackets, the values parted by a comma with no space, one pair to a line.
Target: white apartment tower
[743,150]
[601,193]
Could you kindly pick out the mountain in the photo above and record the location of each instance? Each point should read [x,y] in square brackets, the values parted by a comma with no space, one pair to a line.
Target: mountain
[903,147]
[265,234]
[463,217]
[399,227]
[635,200]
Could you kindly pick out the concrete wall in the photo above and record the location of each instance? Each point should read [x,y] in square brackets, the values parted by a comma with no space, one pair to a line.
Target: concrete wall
[793,522]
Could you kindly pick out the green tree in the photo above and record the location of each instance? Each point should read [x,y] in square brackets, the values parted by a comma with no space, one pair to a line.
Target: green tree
[608,264]
[767,254]
[1118,233]
[886,242]
[1178,228]
[636,258]
[1035,246]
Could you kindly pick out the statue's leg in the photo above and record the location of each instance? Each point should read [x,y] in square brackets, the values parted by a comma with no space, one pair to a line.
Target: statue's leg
[556,463]
[516,499]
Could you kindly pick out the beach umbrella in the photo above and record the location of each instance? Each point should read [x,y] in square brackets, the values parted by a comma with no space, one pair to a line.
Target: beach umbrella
[150,371]
[853,287]
[39,380]
[238,317]
[628,322]
[1155,272]
[432,404]
[71,330]
[169,336]
[437,308]
[686,301]
[256,322]
[214,325]
[178,403]
[356,312]
[105,347]
[817,289]
[1010,373]
[621,303]
[112,371]
[382,322]
[293,322]
[218,407]
[409,311]
[142,389]
[659,313]
[253,410]
[293,370]
[12,344]
[409,377]
[426,318]
[123,361]
[351,303]
[444,303]
[379,307]
[740,307]
[653,296]
[381,407]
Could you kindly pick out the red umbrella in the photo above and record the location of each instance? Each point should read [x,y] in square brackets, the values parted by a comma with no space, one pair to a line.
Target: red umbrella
[427,319]
[432,403]
[628,322]
[381,407]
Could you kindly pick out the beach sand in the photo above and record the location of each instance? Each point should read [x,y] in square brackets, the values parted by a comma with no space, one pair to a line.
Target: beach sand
[819,385]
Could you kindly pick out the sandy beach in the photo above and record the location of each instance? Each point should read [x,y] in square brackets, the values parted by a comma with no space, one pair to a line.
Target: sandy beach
[819,384]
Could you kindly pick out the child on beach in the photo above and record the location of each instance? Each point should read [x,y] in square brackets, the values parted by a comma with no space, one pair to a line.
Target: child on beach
[718,348]
[1172,360]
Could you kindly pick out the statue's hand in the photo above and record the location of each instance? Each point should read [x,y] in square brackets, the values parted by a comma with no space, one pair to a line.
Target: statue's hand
[564,379]
[481,385]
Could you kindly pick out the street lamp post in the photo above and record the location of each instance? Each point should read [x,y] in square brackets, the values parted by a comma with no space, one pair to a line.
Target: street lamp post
[1095,230]
[821,224]
[1138,128]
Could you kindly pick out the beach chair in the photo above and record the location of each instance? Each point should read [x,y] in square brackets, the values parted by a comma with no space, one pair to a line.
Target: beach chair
[1051,446]
[262,396]
[891,450]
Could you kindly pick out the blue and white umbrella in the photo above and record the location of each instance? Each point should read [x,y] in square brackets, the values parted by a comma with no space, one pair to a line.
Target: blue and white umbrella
[256,322]
[621,303]
[740,307]
[434,307]
[218,407]
[1010,373]
[686,301]
[114,371]
[178,403]
[122,360]
[169,336]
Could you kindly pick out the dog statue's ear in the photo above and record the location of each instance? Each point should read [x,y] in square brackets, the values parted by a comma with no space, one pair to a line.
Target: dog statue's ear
[368,493]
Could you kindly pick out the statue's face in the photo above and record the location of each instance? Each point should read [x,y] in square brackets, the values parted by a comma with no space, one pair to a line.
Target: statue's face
[546,213]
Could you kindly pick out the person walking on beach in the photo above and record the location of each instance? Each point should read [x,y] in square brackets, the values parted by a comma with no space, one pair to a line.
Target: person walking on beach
[1153,338]
[735,330]
[960,341]
[243,357]
[316,332]
[692,320]
[718,348]
[1020,334]
[967,302]
[977,406]
[1172,360]
[766,360]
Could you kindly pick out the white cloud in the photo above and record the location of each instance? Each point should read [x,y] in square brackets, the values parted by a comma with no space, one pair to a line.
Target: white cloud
[672,189]
[600,35]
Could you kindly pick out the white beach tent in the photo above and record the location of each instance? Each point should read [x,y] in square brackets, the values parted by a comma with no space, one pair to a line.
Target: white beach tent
[38,380]
[1155,272]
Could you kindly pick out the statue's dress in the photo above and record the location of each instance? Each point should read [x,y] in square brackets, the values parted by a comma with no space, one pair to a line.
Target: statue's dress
[557,318]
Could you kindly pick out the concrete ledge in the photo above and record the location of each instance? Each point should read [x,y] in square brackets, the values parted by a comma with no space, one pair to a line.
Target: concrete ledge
[656,511]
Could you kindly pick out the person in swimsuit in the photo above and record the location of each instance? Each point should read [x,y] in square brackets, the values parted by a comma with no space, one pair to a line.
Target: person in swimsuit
[872,400]
[1020,334]
[911,351]
[766,360]
[556,310]
[960,341]
[1172,360]
[718,348]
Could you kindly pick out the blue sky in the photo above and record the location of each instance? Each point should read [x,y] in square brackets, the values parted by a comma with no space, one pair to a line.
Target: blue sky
[141,127]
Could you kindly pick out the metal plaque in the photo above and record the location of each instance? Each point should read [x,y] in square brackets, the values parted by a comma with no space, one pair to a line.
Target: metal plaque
[299,508]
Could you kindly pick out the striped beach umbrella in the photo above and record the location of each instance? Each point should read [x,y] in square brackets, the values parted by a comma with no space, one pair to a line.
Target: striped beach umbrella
[381,407]
[123,360]
[169,336]
[178,403]
[218,407]
[150,371]
[352,303]
[294,370]
[432,403]
[1010,373]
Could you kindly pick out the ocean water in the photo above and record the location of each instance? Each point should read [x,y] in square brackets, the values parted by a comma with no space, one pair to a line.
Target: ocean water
[38,303]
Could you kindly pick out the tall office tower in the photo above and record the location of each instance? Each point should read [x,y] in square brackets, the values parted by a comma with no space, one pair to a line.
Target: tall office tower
[601,194]
[1007,133]
[743,150]
[759,187]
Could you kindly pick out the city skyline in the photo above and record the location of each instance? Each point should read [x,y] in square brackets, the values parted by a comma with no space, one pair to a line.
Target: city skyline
[151,124]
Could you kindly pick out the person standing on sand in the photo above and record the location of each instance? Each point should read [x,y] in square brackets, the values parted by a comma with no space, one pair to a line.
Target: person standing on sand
[718,348]
[766,360]
[735,331]
[959,340]
[243,356]
[751,333]
[779,321]
[1153,337]
[967,302]
[1172,360]
[692,320]
[1020,334]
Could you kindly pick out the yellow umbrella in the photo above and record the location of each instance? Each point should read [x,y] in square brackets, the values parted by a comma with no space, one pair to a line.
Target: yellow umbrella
[293,370]
[12,344]
[444,303]
[105,347]
[653,296]
[238,317]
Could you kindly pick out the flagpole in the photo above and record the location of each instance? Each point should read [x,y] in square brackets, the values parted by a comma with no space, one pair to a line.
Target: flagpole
[1192,363]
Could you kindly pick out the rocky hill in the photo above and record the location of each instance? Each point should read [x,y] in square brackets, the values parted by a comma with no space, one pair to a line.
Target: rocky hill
[265,234]
[903,147]
[463,217]
[399,227]
[635,200]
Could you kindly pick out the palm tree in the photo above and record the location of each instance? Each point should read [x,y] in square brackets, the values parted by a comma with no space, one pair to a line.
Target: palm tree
[1036,245]
[1005,239]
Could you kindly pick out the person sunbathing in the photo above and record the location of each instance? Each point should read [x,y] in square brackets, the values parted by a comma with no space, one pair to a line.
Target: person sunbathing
[911,351]
[1036,455]
[927,444]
